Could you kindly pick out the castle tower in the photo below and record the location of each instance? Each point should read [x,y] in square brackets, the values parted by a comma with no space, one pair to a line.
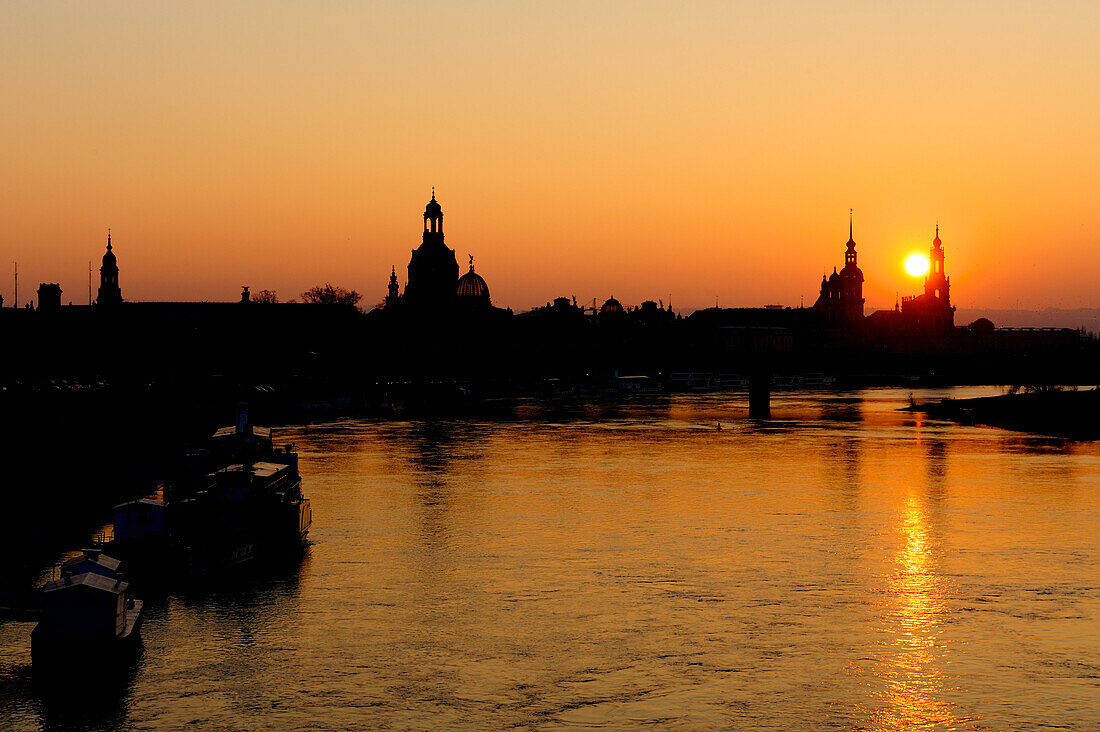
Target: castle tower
[109,292]
[841,297]
[851,281]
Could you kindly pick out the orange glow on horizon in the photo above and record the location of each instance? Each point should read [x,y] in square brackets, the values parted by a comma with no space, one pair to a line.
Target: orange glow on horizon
[649,150]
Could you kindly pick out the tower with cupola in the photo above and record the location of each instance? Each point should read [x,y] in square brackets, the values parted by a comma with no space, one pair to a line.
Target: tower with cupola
[433,268]
[932,310]
[937,285]
[109,291]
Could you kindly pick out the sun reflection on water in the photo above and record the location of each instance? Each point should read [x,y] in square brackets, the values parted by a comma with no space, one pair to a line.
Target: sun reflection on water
[912,673]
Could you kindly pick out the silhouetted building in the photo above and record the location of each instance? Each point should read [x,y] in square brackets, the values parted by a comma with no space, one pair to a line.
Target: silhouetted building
[472,289]
[49,297]
[393,294]
[841,298]
[433,269]
[109,291]
[611,306]
[933,310]
[650,313]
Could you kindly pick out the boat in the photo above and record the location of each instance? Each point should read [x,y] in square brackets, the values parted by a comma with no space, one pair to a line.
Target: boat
[220,515]
[87,614]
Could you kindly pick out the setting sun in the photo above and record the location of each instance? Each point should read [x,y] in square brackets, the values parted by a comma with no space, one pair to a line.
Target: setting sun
[917,265]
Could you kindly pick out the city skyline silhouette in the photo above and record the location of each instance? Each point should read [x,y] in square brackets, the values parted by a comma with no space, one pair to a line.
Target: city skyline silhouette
[711,149]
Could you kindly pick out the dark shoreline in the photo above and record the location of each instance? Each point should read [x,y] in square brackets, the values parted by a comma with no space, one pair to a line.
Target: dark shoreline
[1064,413]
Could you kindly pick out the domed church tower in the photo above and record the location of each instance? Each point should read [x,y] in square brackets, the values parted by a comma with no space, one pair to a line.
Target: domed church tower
[433,269]
[109,292]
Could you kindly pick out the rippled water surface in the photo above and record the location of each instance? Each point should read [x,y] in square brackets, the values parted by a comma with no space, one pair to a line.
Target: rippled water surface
[843,565]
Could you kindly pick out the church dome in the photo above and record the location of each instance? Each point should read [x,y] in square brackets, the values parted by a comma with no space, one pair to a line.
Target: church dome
[472,284]
[611,305]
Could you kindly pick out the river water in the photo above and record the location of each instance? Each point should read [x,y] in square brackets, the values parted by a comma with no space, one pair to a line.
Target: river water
[843,565]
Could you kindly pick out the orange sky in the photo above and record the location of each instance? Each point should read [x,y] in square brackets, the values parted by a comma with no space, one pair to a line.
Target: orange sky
[589,149]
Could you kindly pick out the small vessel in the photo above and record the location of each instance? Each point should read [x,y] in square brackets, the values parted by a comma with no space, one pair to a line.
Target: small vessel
[86,614]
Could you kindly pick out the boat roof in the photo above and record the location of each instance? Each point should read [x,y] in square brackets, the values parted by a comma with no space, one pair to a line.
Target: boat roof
[150,502]
[102,560]
[223,432]
[260,469]
[91,580]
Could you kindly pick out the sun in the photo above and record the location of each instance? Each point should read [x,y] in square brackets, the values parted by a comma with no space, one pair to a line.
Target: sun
[916,265]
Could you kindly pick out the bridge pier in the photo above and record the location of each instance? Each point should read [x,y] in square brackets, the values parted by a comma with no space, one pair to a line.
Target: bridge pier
[760,394]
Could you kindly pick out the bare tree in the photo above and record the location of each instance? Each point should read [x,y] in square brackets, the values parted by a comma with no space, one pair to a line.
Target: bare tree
[1037,388]
[268,296]
[327,294]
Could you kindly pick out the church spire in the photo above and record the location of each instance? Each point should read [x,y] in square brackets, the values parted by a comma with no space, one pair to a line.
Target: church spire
[850,255]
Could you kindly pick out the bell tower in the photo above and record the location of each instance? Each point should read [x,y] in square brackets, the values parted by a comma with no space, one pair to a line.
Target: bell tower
[937,285]
[109,292]
[433,220]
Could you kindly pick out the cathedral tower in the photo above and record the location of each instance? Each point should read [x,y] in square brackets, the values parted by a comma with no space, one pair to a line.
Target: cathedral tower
[933,310]
[937,285]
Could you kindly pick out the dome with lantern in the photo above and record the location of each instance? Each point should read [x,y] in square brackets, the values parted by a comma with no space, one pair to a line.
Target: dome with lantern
[472,285]
[611,305]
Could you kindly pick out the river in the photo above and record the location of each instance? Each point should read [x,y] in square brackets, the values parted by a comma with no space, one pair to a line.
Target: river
[844,565]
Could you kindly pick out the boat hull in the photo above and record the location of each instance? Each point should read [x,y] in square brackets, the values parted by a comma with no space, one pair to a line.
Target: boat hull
[60,650]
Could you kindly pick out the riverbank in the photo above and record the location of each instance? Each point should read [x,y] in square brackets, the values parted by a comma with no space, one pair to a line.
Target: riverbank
[1065,413]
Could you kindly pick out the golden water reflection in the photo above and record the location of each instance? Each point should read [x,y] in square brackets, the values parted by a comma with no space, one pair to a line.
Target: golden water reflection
[912,673]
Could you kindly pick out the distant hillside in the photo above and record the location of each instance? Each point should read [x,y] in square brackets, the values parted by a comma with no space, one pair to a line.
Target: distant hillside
[1087,318]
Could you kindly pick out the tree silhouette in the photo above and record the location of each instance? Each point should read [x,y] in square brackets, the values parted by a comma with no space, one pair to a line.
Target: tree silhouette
[327,294]
[268,296]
